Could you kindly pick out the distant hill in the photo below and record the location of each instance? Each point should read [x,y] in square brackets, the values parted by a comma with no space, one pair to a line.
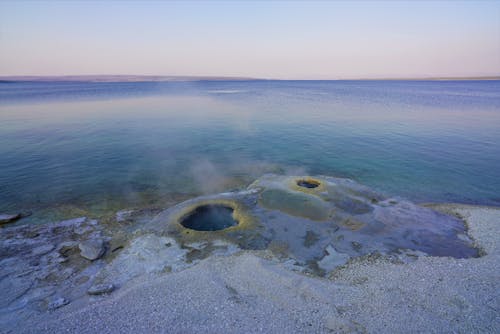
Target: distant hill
[442,78]
[117,78]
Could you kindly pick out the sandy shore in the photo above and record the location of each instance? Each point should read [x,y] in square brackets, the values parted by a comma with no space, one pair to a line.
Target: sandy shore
[248,293]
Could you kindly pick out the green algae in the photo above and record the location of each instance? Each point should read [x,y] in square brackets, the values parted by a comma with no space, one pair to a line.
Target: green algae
[296,204]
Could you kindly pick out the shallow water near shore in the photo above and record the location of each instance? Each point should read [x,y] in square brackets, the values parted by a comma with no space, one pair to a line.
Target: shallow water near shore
[95,148]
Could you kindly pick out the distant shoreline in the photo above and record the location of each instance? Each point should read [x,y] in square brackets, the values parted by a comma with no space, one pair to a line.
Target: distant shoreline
[158,78]
[117,78]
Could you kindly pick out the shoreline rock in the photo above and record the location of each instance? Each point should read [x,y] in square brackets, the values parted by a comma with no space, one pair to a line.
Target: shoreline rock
[9,218]
[92,249]
[100,289]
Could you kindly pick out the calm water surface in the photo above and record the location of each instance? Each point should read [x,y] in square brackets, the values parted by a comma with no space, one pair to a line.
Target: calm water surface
[91,148]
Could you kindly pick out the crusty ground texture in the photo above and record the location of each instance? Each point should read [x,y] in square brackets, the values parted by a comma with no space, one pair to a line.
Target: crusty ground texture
[246,293]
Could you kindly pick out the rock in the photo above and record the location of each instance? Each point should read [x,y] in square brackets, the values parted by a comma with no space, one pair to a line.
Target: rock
[100,289]
[332,259]
[92,249]
[42,250]
[145,254]
[13,288]
[6,218]
[57,303]
[198,245]
[123,215]
[40,263]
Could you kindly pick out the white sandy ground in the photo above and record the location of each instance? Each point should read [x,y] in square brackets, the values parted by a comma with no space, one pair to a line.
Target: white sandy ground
[245,293]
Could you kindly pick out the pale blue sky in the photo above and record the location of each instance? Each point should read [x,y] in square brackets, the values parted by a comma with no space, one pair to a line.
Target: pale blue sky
[297,40]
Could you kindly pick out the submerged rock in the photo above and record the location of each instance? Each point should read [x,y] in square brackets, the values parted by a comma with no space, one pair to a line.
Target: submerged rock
[8,218]
[123,215]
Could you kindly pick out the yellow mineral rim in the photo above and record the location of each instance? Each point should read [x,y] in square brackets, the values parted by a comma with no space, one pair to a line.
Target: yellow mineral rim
[240,214]
[307,185]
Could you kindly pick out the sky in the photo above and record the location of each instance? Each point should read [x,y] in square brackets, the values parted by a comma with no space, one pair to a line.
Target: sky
[281,40]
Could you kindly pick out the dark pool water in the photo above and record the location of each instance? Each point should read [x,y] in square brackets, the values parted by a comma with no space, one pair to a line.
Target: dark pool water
[209,218]
[96,147]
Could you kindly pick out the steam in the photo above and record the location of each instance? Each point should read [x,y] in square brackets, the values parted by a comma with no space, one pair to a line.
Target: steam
[209,177]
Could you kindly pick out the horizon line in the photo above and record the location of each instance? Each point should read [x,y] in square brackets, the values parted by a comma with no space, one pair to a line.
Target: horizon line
[186,78]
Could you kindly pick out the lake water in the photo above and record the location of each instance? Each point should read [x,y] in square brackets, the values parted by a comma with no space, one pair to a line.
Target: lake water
[94,148]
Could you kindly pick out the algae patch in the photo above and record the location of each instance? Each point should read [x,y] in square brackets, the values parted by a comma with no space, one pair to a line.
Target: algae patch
[295,204]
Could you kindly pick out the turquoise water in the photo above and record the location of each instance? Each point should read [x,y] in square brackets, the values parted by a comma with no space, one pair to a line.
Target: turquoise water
[101,147]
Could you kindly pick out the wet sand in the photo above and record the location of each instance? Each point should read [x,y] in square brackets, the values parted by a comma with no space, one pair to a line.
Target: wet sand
[250,292]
